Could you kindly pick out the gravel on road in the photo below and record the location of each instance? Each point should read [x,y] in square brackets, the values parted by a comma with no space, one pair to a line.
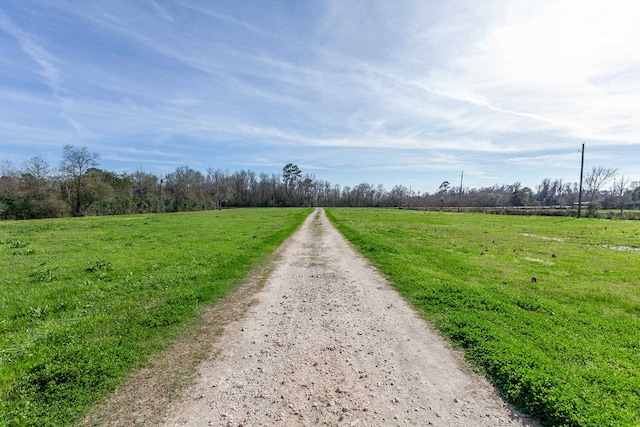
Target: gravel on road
[328,342]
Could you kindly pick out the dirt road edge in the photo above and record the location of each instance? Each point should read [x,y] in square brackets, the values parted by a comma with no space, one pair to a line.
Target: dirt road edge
[143,397]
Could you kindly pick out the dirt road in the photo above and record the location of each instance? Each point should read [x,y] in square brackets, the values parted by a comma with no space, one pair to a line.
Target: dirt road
[329,343]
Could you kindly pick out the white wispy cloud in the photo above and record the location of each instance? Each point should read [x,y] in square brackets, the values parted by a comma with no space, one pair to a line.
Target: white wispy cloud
[48,67]
[29,44]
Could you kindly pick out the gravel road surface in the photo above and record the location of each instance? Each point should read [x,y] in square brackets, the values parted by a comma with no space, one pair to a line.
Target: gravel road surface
[330,343]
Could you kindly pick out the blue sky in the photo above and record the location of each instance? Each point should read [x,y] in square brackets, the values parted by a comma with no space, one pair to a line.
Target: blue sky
[409,92]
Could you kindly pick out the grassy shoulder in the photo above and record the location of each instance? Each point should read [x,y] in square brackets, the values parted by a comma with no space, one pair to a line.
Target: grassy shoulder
[565,346]
[83,301]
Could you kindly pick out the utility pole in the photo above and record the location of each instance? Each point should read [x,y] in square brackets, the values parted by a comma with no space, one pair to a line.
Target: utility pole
[460,192]
[580,190]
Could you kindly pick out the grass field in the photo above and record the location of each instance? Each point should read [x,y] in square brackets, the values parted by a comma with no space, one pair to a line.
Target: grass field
[565,348]
[84,301]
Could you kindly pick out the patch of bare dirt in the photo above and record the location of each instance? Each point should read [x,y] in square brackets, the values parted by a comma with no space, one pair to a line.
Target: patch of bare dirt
[325,342]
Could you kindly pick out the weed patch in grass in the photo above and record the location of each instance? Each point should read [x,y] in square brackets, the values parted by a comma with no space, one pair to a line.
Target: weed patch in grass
[564,347]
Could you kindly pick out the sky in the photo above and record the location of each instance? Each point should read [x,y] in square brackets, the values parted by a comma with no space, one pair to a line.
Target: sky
[411,92]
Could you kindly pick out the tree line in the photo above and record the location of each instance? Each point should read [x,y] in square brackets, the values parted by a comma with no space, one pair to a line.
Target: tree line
[78,187]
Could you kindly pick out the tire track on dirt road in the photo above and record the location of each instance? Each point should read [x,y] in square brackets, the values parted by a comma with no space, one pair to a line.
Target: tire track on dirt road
[331,343]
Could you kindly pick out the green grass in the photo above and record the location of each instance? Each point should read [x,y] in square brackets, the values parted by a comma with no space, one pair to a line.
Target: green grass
[84,301]
[565,348]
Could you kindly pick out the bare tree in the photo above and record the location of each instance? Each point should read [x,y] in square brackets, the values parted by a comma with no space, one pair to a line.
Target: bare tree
[239,185]
[267,187]
[593,183]
[8,169]
[186,188]
[398,195]
[76,161]
[217,182]
[618,190]
[634,189]
[35,173]
[9,182]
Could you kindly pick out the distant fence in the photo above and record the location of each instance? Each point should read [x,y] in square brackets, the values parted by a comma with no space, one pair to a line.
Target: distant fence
[566,211]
